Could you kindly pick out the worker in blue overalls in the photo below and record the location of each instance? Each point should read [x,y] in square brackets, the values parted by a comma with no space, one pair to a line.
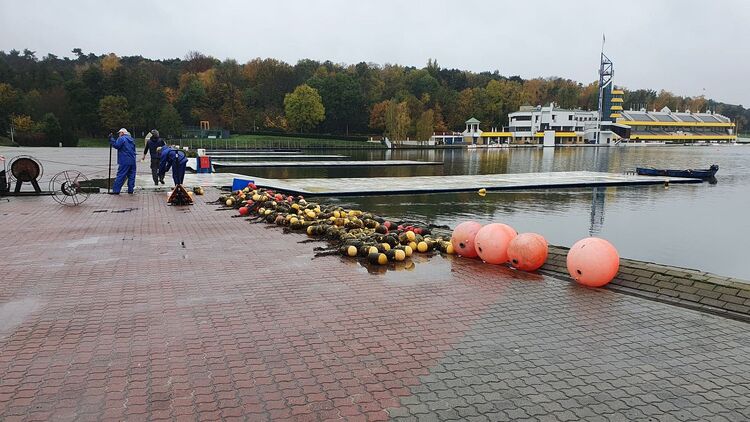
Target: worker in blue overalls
[171,157]
[125,147]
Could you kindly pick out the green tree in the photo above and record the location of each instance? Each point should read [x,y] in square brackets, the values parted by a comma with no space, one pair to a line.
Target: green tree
[169,122]
[504,98]
[343,101]
[113,112]
[51,128]
[192,100]
[304,108]
[9,104]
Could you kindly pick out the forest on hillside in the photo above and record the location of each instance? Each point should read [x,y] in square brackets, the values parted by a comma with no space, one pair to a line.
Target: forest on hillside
[87,95]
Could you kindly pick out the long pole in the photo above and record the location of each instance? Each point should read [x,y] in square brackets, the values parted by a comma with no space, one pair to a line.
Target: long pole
[109,177]
[601,93]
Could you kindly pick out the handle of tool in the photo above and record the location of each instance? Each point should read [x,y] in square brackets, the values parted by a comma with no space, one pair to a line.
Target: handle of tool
[109,176]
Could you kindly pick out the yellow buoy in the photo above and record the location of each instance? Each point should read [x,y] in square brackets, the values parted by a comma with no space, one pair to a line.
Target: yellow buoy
[482,192]
[422,247]
[351,250]
[408,250]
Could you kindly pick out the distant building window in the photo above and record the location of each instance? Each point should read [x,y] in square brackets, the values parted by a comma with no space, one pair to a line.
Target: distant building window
[570,117]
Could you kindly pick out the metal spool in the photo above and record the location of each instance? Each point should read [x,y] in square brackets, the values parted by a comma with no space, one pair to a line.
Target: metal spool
[25,169]
[66,188]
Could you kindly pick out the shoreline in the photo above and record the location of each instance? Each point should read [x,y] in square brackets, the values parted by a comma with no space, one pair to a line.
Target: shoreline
[684,287]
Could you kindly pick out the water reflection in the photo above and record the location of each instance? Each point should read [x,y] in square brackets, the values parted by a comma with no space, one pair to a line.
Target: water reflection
[597,211]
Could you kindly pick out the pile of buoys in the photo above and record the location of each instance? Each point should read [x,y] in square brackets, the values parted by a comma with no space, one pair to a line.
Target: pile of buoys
[592,262]
[351,233]
[376,241]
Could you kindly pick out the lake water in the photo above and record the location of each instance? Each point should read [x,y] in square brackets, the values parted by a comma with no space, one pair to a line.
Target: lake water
[700,226]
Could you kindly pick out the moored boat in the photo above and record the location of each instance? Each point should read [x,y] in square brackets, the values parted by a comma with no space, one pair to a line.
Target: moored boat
[693,173]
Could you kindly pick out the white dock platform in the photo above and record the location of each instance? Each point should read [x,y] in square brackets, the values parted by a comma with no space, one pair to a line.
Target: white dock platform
[295,157]
[429,184]
[374,163]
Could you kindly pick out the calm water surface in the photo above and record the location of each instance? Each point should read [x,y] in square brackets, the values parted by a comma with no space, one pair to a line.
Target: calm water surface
[699,226]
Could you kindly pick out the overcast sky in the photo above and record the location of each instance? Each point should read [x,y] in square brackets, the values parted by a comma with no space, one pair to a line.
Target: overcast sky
[688,47]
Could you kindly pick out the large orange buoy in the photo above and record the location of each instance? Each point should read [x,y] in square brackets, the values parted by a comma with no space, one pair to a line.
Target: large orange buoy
[593,262]
[244,211]
[527,251]
[463,236]
[492,242]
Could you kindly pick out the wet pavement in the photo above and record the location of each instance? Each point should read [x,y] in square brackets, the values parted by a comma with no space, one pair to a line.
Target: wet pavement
[127,309]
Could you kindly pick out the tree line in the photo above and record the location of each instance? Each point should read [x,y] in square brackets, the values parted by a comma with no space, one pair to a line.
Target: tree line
[87,95]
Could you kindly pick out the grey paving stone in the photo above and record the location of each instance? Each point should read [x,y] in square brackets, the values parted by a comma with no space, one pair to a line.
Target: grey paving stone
[596,355]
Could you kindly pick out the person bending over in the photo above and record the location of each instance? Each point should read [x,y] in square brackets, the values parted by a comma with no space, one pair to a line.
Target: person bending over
[173,158]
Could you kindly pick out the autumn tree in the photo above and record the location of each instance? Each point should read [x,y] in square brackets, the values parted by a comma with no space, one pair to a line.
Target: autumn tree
[22,122]
[425,125]
[304,108]
[397,120]
[377,115]
[110,63]
[113,112]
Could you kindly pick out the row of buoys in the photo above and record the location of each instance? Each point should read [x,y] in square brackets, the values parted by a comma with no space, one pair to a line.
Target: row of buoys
[591,261]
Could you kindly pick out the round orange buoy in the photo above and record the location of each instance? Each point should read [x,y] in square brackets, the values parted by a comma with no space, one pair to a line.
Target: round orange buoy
[244,211]
[463,236]
[491,242]
[593,262]
[527,251]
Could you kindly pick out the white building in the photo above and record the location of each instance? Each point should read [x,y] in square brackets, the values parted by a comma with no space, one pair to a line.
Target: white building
[570,126]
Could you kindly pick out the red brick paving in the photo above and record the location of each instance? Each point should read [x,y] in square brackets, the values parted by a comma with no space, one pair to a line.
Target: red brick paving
[108,316]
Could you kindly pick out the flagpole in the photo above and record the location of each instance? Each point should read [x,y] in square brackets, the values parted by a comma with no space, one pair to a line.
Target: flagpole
[601,92]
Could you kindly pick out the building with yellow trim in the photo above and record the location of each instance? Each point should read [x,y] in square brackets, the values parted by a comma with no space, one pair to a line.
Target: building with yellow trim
[667,126]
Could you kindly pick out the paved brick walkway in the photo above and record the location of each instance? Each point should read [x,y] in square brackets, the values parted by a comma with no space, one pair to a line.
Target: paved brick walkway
[126,309]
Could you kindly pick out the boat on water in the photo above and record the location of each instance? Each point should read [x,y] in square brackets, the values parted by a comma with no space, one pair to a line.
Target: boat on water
[693,173]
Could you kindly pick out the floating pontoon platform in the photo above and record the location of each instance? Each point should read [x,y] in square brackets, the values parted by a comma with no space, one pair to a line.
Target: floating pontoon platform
[433,184]
[381,163]
[232,158]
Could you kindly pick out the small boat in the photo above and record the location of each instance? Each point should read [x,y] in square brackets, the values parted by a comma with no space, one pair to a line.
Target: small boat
[693,173]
